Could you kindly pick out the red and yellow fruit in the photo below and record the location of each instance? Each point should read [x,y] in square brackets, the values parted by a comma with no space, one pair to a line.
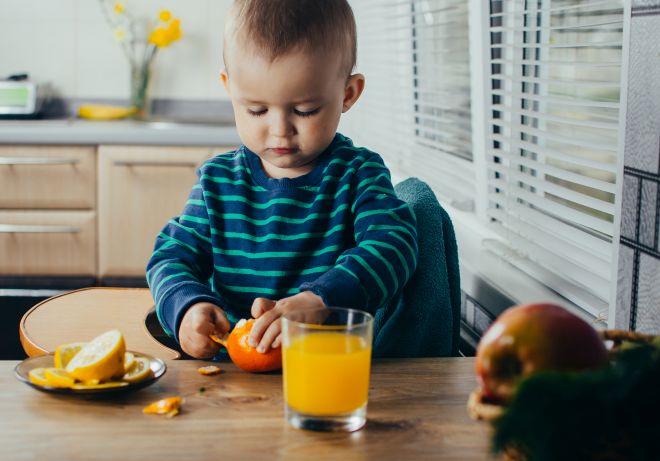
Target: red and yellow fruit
[530,338]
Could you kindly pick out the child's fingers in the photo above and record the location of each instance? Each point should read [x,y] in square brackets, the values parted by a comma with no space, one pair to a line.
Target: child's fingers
[278,341]
[261,305]
[221,324]
[260,326]
[198,346]
[202,323]
[272,332]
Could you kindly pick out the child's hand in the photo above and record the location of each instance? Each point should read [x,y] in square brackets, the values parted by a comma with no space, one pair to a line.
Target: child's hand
[267,330]
[199,322]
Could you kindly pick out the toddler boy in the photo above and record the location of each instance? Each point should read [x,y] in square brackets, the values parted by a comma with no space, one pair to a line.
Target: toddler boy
[297,217]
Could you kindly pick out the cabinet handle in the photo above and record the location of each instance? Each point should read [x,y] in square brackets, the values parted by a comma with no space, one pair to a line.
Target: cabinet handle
[130,163]
[30,293]
[29,229]
[37,161]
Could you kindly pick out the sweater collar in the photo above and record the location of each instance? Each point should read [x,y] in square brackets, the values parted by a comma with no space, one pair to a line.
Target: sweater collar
[312,178]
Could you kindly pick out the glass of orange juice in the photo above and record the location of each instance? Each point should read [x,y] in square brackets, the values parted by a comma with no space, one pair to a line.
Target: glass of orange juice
[326,366]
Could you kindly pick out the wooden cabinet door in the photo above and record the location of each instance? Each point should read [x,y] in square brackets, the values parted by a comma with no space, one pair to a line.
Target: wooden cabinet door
[47,177]
[47,242]
[140,189]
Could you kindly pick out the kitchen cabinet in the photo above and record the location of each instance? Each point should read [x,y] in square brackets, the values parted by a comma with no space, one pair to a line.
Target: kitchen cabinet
[47,210]
[47,177]
[48,242]
[140,189]
[89,211]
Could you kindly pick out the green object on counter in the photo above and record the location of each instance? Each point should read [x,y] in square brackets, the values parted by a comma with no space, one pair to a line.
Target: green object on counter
[14,96]
[606,414]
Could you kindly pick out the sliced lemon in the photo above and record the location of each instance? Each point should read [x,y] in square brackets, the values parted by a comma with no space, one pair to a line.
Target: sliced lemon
[108,385]
[38,377]
[58,377]
[65,352]
[99,360]
[140,371]
[104,112]
[129,361]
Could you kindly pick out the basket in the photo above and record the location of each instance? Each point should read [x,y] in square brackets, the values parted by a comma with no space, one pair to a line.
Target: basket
[482,410]
[489,412]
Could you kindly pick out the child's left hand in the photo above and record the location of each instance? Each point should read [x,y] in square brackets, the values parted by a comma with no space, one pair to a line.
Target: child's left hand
[267,330]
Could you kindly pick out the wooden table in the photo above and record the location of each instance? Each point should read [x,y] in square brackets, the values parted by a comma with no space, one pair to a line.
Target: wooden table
[416,412]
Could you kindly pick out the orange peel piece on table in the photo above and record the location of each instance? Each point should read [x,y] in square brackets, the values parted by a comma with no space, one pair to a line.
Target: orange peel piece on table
[168,406]
[209,370]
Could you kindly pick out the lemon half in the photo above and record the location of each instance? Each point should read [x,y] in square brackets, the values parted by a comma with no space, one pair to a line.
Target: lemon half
[37,376]
[140,371]
[99,360]
[129,361]
[58,377]
[65,352]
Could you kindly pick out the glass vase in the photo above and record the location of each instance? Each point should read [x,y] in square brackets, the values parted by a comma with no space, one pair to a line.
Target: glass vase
[140,79]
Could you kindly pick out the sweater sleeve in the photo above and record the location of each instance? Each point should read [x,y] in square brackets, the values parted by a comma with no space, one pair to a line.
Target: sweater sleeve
[181,264]
[374,272]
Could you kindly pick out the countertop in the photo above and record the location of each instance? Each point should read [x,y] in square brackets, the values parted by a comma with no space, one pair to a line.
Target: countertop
[77,131]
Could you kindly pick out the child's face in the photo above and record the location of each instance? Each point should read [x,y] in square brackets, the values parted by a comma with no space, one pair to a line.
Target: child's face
[287,111]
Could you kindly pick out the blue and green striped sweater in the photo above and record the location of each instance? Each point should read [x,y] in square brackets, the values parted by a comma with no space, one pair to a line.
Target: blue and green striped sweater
[338,231]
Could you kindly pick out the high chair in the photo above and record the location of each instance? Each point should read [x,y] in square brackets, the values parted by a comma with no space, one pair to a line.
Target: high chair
[81,315]
[425,320]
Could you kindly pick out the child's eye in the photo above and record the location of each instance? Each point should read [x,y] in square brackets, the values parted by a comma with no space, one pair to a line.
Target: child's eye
[306,114]
[256,113]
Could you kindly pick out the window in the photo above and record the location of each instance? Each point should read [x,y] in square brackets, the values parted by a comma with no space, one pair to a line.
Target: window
[553,138]
[541,132]
[415,110]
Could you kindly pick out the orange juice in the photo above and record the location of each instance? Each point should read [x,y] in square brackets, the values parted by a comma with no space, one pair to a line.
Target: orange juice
[326,373]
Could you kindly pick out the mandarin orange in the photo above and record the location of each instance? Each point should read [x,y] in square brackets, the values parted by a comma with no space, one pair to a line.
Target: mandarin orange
[245,356]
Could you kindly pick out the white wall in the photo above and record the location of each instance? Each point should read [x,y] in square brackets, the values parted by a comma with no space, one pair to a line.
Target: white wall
[68,43]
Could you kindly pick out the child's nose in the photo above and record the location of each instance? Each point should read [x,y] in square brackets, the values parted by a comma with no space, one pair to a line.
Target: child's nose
[281,126]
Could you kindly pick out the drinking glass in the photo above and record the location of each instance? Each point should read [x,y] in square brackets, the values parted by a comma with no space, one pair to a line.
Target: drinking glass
[326,366]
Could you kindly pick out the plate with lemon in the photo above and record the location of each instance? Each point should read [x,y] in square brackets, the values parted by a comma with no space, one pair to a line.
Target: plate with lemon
[100,366]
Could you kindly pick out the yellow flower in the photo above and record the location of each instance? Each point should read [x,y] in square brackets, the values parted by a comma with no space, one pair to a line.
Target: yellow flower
[119,34]
[174,30]
[165,15]
[159,37]
[119,8]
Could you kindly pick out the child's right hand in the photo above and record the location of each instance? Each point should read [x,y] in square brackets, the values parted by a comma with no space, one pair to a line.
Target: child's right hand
[198,323]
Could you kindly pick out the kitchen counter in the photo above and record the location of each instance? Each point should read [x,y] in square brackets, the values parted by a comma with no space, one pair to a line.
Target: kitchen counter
[77,131]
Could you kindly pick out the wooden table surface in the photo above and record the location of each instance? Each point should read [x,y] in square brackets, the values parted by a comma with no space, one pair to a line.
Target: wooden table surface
[417,411]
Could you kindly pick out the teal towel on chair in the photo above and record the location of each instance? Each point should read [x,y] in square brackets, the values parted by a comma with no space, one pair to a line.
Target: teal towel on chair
[425,321]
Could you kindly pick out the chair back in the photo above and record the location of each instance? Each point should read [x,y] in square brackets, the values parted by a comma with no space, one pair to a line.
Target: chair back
[81,315]
[425,320]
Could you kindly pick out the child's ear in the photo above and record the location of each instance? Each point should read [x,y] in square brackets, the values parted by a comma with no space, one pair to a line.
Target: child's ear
[352,91]
[224,76]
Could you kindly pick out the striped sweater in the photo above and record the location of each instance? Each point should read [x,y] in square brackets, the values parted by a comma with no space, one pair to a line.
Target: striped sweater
[338,231]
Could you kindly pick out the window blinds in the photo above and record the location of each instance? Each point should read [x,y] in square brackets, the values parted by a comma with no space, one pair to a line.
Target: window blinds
[554,70]
[415,110]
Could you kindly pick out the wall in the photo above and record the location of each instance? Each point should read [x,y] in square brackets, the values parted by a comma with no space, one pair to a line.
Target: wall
[638,288]
[68,43]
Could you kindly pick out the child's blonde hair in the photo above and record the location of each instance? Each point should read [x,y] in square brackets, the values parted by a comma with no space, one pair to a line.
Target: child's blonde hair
[276,27]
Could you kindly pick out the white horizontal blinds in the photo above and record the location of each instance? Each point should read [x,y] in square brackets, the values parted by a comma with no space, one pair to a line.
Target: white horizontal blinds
[555,69]
[415,110]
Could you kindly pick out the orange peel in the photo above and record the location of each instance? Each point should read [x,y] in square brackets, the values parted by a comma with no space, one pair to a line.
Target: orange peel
[168,406]
[209,370]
